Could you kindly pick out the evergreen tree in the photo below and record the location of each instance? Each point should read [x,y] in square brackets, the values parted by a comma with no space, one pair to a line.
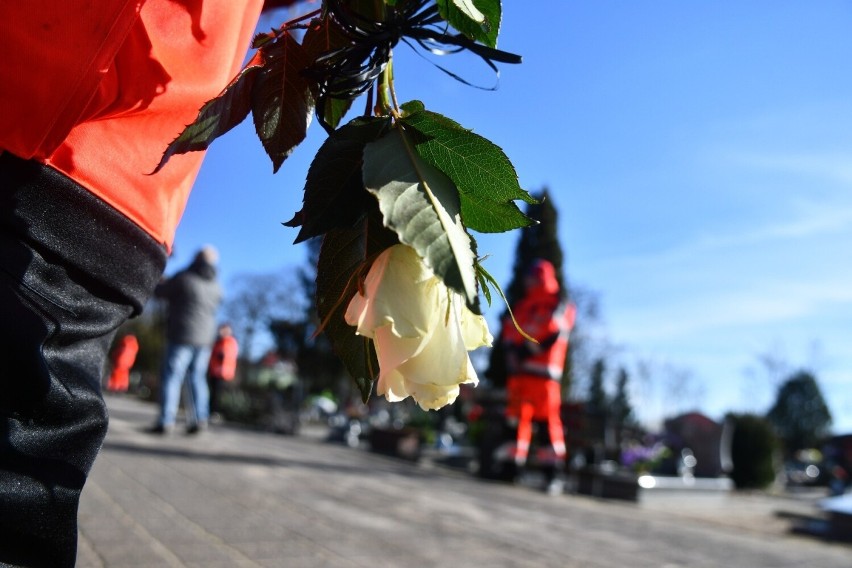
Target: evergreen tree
[622,411]
[800,415]
[539,241]
[597,402]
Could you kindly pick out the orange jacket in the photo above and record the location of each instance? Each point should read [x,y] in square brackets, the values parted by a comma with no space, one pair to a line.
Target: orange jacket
[223,358]
[98,88]
[543,316]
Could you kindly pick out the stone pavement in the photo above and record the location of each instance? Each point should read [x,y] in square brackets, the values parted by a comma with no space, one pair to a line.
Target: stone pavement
[234,497]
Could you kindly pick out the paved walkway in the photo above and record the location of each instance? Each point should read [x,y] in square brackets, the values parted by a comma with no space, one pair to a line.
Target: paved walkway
[236,498]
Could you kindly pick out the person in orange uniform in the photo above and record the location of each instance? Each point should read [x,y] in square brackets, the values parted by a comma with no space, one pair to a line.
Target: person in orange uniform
[91,92]
[535,368]
[123,358]
[222,367]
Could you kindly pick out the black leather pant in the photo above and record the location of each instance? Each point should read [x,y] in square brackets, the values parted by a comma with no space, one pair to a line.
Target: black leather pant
[71,271]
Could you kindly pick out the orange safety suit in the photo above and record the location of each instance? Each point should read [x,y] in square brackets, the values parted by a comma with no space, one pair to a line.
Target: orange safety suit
[123,358]
[134,73]
[535,370]
[223,359]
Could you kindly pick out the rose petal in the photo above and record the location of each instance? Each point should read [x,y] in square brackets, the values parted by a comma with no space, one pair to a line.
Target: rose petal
[474,329]
[393,351]
[421,329]
[442,360]
[356,314]
[433,397]
[391,385]
[403,294]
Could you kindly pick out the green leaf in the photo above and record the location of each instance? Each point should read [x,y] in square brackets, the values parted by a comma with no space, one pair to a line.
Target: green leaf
[335,110]
[262,39]
[334,194]
[218,115]
[282,104]
[469,9]
[412,107]
[483,284]
[477,19]
[486,281]
[485,178]
[344,255]
[421,205]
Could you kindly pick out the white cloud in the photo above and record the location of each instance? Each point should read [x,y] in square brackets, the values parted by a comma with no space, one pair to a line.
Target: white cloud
[832,166]
[712,304]
[809,220]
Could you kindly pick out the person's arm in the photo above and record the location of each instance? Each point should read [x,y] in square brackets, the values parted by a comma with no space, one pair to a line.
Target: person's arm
[163,289]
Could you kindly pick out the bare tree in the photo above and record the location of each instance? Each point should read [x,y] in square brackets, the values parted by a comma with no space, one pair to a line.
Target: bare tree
[584,348]
[682,391]
[773,367]
[675,389]
[256,299]
[645,376]
[775,363]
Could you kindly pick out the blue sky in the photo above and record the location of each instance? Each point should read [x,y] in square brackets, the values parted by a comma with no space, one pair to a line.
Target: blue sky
[699,157]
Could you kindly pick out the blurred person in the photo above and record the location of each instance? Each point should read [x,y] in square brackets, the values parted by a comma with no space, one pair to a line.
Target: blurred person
[122,358]
[535,370]
[193,296]
[222,367]
[838,481]
[91,92]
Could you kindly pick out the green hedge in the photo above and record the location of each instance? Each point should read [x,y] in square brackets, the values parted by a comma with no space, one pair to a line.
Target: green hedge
[753,449]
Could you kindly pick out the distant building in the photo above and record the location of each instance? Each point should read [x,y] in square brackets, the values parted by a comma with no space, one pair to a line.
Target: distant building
[707,440]
[837,451]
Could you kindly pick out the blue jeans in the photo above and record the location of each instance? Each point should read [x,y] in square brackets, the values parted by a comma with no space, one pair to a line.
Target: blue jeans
[185,363]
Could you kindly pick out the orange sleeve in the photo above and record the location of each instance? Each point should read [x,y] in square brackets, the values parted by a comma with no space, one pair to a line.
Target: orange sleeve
[119,80]
[54,54]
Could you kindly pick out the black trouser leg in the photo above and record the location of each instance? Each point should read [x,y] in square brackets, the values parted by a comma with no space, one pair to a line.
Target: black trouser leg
[59,309]
[54,419]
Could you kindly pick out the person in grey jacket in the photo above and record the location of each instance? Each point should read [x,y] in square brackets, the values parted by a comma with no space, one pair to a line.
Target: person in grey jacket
[193,297]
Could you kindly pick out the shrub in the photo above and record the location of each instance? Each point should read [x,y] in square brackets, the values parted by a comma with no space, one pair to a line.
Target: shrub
[753,448]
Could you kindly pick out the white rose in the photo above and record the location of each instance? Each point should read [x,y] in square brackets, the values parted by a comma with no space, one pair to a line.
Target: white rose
[421,329]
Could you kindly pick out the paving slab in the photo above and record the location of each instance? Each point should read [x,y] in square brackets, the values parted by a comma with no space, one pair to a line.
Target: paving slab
[237,497]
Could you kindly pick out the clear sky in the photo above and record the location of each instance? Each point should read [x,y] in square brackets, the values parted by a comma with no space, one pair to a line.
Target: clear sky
[699,155]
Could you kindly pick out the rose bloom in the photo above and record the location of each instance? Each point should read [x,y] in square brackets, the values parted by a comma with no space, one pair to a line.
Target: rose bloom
[421,329]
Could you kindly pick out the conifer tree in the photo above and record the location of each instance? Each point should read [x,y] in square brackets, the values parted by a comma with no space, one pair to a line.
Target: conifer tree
[800,414]
[538,241]
[622,410]
[597,401]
